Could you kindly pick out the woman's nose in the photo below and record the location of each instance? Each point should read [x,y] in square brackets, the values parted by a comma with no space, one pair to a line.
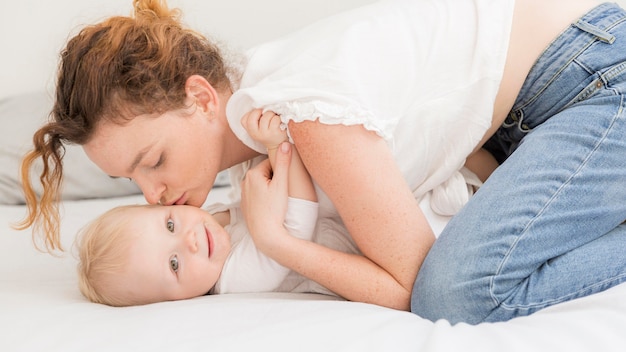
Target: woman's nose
[152,191]
[151,198]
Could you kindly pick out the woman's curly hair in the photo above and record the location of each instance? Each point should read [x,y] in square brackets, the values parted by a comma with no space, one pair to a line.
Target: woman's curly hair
[114,70]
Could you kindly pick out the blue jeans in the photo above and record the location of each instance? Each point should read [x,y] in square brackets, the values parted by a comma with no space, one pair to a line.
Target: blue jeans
[547,227]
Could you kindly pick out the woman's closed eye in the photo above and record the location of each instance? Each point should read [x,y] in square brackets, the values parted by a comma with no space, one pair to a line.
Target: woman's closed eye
[174,263]
[159,162]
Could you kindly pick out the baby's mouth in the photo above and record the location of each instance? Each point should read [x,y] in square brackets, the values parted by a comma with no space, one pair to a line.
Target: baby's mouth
[209,242]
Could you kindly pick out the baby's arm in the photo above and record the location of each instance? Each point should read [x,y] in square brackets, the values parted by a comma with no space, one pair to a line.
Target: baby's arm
[265,127]
[250,270]
[298,216]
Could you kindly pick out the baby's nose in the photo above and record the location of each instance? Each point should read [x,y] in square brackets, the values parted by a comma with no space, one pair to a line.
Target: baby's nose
[191,241]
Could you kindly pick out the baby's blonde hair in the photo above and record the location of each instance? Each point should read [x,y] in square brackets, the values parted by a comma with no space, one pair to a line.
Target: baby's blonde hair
[103,247]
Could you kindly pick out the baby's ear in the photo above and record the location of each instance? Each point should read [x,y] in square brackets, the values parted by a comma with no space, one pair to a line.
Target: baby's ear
[198,89]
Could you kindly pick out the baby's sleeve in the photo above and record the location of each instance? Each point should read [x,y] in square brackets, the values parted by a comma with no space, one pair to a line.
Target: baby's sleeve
[301,218]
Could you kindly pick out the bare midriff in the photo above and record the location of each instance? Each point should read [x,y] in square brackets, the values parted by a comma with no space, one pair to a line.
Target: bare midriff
[536,23]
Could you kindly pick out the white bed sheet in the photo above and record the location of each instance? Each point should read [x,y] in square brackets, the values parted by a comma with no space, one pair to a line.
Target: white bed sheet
[41,309]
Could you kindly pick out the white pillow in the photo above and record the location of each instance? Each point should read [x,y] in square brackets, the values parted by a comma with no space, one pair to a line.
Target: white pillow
[22,115]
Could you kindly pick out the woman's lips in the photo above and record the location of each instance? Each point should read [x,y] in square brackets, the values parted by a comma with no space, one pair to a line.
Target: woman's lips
[181,200]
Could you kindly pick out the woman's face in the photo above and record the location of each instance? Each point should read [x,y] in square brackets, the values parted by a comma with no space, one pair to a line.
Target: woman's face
[173,157]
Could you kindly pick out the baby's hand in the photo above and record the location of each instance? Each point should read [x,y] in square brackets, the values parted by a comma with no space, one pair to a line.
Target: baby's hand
[264,127]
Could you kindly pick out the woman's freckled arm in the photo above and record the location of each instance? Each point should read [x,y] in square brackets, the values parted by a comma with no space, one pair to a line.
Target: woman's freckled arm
[378,208]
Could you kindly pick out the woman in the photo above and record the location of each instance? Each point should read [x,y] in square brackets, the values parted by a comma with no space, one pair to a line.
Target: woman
[413,88]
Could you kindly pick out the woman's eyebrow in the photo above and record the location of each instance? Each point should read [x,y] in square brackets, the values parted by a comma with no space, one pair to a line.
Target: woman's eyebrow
[135,162]
[138,159]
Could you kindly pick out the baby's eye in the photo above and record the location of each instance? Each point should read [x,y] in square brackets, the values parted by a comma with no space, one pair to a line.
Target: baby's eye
[174,263]
[170,225]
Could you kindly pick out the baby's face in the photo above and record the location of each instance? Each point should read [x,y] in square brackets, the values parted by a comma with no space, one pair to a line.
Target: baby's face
[178,252]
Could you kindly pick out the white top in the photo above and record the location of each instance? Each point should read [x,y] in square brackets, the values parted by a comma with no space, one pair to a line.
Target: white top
[249,270]
[422,74]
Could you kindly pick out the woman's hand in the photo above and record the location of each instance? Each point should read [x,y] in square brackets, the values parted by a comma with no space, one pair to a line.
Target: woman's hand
[264,199]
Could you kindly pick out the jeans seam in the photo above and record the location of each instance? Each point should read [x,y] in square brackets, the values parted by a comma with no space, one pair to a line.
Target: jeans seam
[523,233]
[565,298]
[554,77]
[611,74]
[573,58]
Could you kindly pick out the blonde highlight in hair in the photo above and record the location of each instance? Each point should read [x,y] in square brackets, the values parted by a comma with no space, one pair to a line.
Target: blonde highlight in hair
[43,215]
[114,70]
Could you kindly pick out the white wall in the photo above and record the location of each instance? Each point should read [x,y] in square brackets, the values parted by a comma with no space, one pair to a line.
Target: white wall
[32,32]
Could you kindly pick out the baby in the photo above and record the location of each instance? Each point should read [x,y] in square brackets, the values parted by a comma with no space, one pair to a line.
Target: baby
[140,254]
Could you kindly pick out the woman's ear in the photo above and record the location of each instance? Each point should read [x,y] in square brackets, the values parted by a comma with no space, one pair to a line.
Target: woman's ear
[198,89]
